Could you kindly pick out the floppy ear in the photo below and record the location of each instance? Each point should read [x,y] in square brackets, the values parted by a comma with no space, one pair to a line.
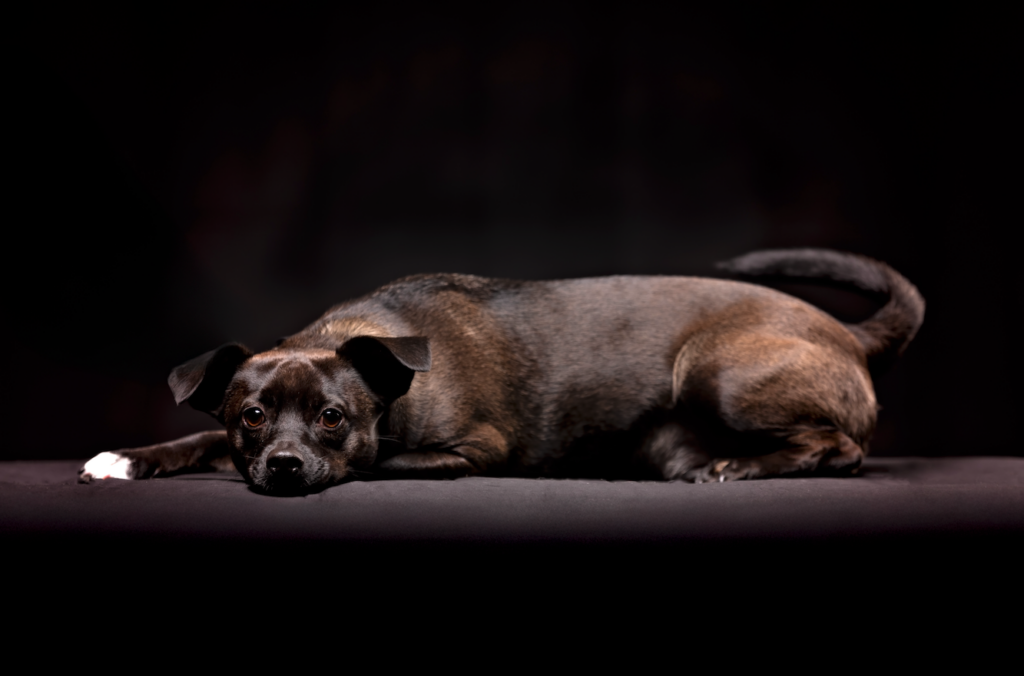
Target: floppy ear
[204,380]
[387,364]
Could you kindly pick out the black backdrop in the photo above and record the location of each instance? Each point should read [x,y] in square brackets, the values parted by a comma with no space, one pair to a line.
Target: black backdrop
[185,179]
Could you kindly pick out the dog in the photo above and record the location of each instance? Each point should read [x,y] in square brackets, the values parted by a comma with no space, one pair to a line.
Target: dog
[444,375]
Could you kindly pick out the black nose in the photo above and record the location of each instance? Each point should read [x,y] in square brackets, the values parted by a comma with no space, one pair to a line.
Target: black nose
[283,462]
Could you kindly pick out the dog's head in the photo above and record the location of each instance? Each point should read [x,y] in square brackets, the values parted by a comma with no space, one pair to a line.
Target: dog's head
[301,419]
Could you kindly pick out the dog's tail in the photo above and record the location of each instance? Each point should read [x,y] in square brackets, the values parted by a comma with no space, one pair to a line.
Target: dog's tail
[885,334]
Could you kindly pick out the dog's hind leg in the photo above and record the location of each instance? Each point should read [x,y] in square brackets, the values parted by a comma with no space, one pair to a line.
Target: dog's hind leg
[203,451]
[765,404]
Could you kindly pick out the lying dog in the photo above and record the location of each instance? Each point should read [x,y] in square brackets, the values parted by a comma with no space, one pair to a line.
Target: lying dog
[450,375]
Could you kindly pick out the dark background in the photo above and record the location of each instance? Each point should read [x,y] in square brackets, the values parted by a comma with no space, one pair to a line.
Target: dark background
[184,179]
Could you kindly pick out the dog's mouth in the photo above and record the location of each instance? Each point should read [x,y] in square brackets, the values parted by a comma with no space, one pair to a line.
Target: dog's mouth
[283,485]
[277,479]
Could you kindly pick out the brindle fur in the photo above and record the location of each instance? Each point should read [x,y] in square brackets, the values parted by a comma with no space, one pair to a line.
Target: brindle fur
[640,377]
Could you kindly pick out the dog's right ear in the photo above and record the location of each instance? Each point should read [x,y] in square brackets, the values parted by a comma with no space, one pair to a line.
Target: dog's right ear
[204,380]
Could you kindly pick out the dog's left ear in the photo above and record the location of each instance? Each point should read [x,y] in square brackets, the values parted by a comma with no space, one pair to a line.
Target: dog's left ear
[387,364]
[204,380]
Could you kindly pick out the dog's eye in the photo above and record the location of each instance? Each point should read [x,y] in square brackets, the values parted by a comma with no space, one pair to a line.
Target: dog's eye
[331,417]
[253,416]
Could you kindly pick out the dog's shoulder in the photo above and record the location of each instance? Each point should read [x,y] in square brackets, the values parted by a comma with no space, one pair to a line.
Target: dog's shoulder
[403,307]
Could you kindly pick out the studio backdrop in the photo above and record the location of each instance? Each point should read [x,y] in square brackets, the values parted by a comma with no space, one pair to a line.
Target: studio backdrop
[188,180]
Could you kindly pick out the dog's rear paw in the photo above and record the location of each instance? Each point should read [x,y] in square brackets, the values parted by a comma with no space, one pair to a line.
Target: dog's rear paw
[109,465]
[717,471]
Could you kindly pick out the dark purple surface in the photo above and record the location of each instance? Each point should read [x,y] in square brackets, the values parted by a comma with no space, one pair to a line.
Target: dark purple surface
[894,496]
[913,531]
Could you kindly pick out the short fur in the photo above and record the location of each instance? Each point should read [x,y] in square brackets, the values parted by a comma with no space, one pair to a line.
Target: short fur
[640,377]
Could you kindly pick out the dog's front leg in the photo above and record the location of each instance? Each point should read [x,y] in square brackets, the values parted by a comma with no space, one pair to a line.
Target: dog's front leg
[427,465]
[480,450]
[196,452]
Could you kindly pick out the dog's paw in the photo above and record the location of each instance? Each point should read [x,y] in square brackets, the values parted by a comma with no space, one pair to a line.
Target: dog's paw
[109,465]
[716,472]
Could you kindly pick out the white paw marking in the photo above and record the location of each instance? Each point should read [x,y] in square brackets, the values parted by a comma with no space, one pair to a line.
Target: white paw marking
[108,465]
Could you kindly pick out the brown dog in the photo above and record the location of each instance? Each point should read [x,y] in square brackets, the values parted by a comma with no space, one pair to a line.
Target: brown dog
[449,375]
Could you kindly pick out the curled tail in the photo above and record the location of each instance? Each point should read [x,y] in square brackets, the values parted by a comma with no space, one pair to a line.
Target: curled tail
[885,334]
